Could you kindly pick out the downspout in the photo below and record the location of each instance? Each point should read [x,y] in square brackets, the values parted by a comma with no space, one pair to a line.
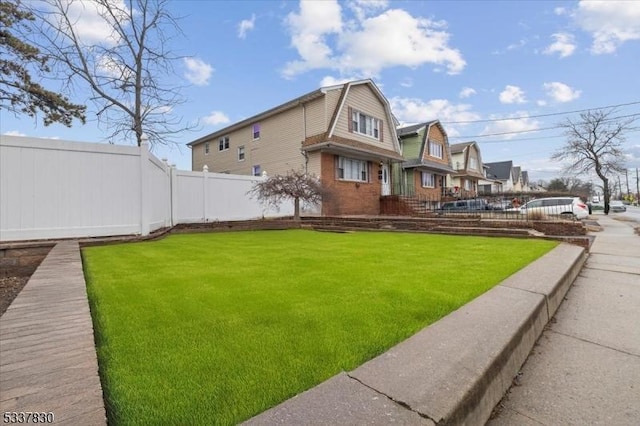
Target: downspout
[304,137]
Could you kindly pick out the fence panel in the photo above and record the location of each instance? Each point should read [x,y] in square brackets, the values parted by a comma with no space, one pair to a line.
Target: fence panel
[61,189]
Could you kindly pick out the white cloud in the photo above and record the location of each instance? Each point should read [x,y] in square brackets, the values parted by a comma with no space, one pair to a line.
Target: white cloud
[198,72]
[611,23]
[559,11]
[467,92]
[541,102]
[632,156]
[512,95]
[88,23]
[414,110]
[560,92]
[309,29]
[216,117]
[363,8]
[515,46]
[516,122]
[14,133]
[333,81]
[368,44]
[563,45]
[407,82]
[246,25]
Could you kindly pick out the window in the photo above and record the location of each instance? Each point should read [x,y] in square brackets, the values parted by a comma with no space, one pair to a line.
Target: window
[223,143]
[206,148]
[365,125]
[255,170]
[473,163]
[435,149]
[256,131]
[467,185]
[428,180]
[351,169]
[241,153]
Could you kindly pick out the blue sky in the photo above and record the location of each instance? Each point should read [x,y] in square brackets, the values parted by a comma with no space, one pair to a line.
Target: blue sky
[448,60]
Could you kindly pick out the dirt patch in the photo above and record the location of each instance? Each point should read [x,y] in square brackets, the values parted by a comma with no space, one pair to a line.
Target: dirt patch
[9,289]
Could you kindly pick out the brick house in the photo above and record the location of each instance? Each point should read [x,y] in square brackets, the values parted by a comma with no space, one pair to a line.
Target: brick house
[427,161]
[344,134]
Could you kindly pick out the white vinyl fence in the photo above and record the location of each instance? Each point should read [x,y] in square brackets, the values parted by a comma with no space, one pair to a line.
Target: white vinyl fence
[60,189]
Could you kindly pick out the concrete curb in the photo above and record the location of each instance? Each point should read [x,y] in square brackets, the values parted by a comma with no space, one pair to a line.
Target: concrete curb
[452,372]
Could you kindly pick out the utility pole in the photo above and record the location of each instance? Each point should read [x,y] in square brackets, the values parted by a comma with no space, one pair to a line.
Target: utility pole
[626,174]
[637,187]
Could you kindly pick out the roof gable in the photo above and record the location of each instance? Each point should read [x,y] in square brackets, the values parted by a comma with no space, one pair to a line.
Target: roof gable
[376,91]
[500,170]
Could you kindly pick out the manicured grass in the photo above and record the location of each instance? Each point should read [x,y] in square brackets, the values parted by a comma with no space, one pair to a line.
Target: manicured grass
[215,328]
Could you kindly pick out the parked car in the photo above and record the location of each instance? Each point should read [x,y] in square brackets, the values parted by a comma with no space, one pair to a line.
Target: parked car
[500,205]
[464,206]
[617,206]
[556,206]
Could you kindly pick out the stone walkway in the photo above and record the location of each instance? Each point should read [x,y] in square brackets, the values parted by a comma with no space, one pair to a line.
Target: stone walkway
[47,353]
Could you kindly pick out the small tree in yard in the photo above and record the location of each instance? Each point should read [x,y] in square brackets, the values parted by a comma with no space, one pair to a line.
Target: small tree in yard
[594,143]
[295,185]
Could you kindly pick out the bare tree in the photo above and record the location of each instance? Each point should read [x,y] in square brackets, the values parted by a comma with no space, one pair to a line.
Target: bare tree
[594,144]
[19,93]
[128,69]
[295,185]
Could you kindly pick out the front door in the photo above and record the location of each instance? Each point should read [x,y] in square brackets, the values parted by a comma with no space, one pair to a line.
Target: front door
[386,184]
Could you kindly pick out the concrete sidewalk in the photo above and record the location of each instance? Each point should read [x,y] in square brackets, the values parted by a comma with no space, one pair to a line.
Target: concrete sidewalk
[585,368]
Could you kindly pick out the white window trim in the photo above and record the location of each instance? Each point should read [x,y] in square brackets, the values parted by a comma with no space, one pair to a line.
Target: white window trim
[440,147]
[244,153]
[253,170]
[375,124]
[228,143]
[433,180]
[362,162]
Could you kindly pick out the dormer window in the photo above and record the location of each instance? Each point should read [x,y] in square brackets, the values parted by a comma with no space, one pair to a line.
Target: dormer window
[365,125]
[435,149]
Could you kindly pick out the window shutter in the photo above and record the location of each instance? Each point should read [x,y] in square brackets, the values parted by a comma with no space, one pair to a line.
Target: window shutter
[381,124]
[350,119]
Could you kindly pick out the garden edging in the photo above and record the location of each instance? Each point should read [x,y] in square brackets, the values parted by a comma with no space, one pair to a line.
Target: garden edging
[453,372]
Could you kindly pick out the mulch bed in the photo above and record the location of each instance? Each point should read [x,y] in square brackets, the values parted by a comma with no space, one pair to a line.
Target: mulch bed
[9,289]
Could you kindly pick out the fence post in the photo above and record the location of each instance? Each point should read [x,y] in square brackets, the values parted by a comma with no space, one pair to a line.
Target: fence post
[205,176]
[144,187]
[173,182]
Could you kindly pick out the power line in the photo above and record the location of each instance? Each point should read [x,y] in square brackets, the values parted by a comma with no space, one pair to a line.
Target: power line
[536,130]
[538,115]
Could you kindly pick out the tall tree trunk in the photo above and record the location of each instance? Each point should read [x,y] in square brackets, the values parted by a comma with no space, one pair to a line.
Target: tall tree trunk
[296,209]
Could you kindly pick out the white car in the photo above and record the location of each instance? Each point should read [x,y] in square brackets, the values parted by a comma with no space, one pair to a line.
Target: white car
[556,206]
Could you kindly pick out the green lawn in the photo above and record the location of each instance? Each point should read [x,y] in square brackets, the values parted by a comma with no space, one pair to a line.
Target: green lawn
[215,328]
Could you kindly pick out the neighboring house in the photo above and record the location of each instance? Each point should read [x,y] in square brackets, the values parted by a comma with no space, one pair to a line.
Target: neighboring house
[501,171]
[468,170]
[490,184]
[513,178]
[427,161]
[516,177]
[344,134]
[524,179]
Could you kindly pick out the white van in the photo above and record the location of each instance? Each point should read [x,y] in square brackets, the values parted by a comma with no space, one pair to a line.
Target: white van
[556,206]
